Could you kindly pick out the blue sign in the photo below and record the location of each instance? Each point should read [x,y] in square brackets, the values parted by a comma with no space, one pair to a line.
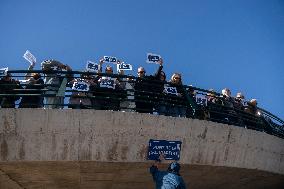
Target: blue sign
[153,58]
[92,67]
[170,149]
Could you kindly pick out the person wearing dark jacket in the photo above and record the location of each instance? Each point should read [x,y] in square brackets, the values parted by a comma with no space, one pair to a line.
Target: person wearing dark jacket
[146,89]
[34,87]
[169,179]
[7,90]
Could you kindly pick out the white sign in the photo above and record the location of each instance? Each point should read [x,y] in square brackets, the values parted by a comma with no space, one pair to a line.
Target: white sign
[201,99]
[107,82]
[171,90]
[29,57]
[92,66]
[124,66]
[153,58]
[3,71]
[110,59]
[80,85]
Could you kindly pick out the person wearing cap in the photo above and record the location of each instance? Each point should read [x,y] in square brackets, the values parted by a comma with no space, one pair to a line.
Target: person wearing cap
[170,179]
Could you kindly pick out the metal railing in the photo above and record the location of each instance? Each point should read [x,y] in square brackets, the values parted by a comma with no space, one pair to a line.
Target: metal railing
[129,93]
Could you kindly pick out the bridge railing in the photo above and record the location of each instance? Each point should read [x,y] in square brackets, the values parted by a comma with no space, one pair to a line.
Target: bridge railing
[126,93]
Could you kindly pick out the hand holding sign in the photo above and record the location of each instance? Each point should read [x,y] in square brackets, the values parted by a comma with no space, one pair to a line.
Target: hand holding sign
[124,66]
[169,149]
[30,57]
[92,66]
[110,59]
[153,58]
[80,85]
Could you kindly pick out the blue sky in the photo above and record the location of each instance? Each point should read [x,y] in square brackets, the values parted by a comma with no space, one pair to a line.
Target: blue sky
[238,44]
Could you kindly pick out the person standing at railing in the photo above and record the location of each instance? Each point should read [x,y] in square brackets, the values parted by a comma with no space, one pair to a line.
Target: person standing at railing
[56,83]
[239,102]
[8,95]
[146,90]
[176,101]
[108,90]
[34,86]
[83,88]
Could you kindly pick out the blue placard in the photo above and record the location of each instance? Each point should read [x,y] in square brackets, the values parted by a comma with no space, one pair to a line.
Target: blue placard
[170,149]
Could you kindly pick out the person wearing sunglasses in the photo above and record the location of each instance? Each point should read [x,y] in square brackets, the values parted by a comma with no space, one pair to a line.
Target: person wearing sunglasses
[146,89]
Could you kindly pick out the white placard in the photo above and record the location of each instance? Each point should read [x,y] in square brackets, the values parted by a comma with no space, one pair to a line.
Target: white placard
[92,66]
[80,85]
[110,59]
[107,82]
[3,71]
[171,90]
[153,58]
[29,57]
[124,66]
[201,99]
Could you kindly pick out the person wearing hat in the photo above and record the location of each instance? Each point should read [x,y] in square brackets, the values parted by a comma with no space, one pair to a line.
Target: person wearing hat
[169,179]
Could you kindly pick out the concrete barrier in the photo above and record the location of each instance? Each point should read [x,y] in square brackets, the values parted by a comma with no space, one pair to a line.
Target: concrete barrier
[44,135]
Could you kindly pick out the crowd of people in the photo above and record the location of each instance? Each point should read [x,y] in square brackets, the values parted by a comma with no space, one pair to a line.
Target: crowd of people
[116,91]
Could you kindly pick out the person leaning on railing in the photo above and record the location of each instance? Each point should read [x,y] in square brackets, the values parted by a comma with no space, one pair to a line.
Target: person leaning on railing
[33,89]
[8,95]
[56,83]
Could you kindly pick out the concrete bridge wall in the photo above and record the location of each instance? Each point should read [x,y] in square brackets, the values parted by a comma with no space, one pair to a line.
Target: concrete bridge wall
[42,135]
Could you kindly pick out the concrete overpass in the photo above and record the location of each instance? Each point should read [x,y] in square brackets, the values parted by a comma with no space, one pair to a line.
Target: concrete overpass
[42,148]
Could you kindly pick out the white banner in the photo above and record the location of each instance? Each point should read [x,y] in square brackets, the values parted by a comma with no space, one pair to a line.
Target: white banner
[124,66]
[92,66]
[3,71]
[171,90]
[107,82]
[153,58]
[201,99]
[80,85]
[29,57]
[110,59]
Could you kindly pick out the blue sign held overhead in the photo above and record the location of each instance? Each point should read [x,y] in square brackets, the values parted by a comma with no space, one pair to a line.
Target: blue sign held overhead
[170,149]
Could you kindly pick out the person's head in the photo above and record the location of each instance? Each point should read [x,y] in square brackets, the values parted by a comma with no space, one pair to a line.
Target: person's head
[162,76]
[226,92]
[141,72]
[253,102]
[240,96]
[211,93]
[174,167]
[109,70]
[86,75]
[36,76]
[7,77]
[176,78]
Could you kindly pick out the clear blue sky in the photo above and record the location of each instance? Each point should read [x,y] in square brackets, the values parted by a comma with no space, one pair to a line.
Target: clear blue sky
[238,44]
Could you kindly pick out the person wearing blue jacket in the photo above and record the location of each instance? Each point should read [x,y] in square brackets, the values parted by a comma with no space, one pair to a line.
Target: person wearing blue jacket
[169,179]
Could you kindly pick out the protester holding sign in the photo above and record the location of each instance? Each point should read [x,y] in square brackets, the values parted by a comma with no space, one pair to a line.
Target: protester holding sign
[82,91]
[108,91]
[176,100]
[145,89]
[33,89]
[56,83]
[8,92]
[169,179]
